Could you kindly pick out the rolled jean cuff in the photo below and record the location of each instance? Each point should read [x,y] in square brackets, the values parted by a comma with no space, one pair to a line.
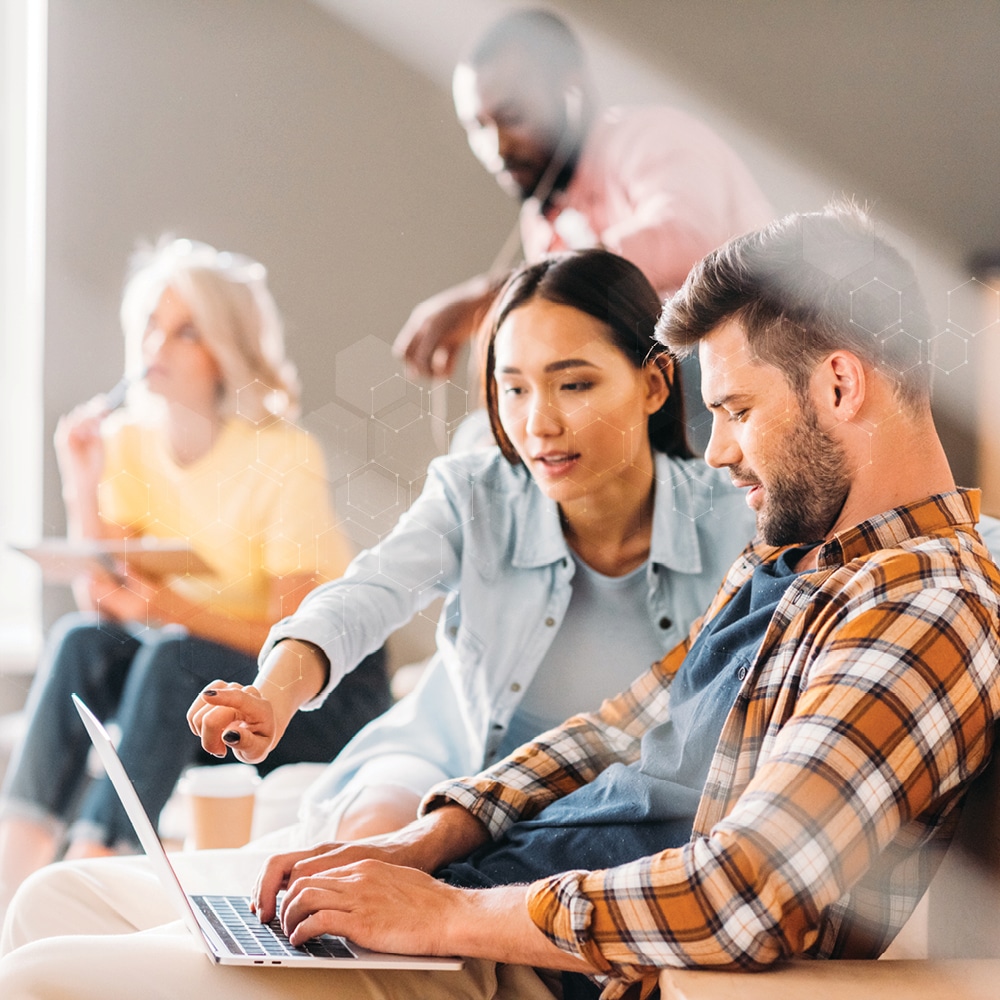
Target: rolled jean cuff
[13,808]
[90,832]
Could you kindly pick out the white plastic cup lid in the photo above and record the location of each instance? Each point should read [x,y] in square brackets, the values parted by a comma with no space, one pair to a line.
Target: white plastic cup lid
[220,781]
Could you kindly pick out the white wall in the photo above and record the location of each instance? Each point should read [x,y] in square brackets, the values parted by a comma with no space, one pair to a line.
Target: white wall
[22,193]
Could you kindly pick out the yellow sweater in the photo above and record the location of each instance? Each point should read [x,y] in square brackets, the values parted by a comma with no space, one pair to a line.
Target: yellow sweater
[255,507]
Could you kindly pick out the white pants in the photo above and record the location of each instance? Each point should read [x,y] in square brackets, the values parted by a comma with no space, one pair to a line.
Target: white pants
[104,929]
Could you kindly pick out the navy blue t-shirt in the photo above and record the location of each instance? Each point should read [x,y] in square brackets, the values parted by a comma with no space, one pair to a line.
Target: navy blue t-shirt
[631,811]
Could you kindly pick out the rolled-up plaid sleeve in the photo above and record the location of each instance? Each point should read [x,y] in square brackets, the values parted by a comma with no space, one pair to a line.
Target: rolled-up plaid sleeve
[892,721]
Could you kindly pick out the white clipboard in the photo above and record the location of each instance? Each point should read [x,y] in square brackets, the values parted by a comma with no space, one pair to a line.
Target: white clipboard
[64,559]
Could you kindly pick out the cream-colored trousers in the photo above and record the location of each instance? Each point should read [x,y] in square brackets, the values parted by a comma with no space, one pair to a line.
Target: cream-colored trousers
[106,929]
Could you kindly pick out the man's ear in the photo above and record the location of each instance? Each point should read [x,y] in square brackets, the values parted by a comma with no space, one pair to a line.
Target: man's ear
[840,385]
[658,373]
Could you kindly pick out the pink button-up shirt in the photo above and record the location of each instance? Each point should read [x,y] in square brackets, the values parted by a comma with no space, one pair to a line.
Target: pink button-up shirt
[653,185]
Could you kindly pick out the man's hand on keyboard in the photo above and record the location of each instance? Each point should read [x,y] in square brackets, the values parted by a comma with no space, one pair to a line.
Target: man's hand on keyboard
[426,844]
[386,907]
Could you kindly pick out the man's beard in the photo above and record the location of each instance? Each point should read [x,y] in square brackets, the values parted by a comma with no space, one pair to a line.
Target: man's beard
[807,492]
[545,192]
[564,174]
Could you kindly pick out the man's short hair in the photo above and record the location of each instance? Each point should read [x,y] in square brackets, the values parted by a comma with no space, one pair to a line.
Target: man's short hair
[805,286]
[536,34]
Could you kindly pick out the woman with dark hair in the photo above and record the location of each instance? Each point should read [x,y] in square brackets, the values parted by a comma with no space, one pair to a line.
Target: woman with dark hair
[568,560]
[609,289]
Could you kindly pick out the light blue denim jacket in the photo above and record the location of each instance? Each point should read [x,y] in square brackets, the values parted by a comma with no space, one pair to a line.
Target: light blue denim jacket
[483,535]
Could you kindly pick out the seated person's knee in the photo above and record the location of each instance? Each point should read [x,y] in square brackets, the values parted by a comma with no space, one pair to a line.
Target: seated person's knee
[378,809]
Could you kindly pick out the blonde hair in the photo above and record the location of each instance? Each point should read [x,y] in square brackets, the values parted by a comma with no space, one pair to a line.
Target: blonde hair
[233,311]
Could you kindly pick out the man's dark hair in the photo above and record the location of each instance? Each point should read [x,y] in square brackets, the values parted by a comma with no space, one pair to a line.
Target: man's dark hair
[536,34]
[613,291]
[805,286]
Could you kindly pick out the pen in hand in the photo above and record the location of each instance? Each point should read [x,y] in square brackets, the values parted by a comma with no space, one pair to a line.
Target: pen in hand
[115,397]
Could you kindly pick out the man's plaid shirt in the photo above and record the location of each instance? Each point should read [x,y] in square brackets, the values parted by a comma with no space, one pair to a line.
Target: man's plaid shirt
[832,792]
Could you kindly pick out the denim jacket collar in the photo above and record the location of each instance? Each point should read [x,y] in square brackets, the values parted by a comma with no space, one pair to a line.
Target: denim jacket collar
[539,539]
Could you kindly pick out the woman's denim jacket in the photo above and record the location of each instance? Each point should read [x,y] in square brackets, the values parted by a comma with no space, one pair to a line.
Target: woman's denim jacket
[486,538]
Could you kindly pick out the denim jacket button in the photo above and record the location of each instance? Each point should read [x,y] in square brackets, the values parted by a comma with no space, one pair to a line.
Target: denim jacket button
[550,622]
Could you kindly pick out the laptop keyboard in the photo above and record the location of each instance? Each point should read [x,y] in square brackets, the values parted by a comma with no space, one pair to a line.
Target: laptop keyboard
[244,934]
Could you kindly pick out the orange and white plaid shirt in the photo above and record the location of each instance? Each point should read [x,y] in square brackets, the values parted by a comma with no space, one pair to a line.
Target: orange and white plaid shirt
[831,795]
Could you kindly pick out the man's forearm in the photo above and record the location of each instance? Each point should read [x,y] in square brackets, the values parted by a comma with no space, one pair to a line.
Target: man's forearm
[482,923]
[388,904]
[448,834]
[494,923]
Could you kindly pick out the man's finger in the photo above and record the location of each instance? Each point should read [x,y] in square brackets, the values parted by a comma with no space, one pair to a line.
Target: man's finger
[315,910]
[272,878]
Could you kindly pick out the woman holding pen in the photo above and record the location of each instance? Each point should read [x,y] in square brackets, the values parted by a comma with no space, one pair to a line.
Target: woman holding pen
[204,452]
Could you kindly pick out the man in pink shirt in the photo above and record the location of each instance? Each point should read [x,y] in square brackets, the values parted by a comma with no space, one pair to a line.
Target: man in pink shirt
[649,183]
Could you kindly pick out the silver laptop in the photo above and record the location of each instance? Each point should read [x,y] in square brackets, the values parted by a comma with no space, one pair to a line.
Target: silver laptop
[229,932]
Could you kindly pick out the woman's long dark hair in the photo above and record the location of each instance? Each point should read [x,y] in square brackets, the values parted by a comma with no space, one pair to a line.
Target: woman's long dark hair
[615,292]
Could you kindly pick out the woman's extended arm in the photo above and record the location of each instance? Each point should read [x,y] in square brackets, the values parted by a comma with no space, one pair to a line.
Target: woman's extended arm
[343,621]
[251,720]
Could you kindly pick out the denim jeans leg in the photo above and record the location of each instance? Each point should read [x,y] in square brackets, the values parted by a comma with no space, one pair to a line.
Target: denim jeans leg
[48,771]
[156,743]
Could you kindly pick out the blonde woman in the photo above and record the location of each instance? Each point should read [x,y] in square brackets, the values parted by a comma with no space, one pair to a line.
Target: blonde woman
[204,451]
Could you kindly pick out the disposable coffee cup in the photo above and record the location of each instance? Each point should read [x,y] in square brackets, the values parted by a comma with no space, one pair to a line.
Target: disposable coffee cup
[221,798]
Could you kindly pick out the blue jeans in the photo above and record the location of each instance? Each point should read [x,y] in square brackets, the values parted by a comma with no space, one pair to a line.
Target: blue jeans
[146,679]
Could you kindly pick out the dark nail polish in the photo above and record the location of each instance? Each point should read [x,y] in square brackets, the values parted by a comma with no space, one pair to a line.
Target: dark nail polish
[231,736]
[209,694]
